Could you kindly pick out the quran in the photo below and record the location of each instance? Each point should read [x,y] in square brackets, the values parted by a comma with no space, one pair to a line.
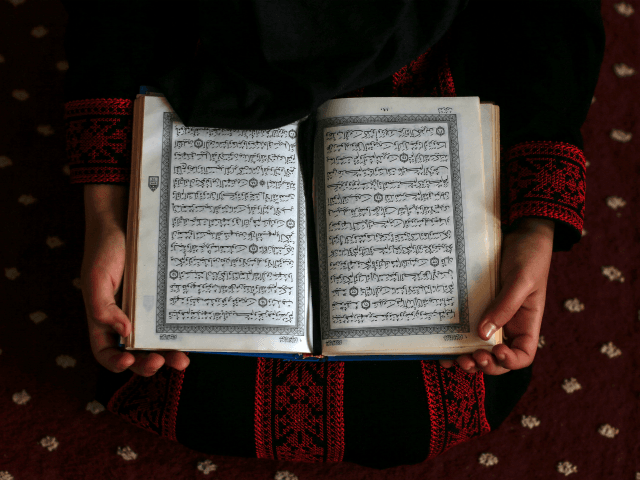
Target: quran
[406,221]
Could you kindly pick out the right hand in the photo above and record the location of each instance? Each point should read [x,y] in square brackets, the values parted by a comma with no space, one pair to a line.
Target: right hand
[102,271]
[526,259]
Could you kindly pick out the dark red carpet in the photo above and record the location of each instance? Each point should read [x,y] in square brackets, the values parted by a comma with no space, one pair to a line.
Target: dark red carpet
[579,418]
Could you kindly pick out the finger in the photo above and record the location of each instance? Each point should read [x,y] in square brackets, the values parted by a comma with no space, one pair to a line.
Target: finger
[446,363]
[520,353]
[505,306]
[114,359]
[487,363]
[147,363]
[104,340]
[104,345]
[523,330]
[106,321]
[467,363]
[513,358]
[177,360]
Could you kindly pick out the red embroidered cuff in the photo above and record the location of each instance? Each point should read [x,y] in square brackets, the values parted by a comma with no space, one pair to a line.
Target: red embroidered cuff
[99,139]
[545,179]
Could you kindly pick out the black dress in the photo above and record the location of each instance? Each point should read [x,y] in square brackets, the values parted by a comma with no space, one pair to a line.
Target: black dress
[262,64]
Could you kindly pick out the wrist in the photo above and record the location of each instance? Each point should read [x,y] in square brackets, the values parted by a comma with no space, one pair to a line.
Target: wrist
[105,207]
[535,225]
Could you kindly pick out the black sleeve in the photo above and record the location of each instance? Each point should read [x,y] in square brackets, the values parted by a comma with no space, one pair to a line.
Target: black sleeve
[539,62]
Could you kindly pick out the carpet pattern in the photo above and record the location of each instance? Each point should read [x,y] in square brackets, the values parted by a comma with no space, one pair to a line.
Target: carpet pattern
[579,418]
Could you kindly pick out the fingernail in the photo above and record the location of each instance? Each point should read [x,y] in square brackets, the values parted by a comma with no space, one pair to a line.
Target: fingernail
[119,328]
[488,329]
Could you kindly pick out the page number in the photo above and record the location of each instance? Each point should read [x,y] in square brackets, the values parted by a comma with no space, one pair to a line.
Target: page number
[384,109]
[445,110]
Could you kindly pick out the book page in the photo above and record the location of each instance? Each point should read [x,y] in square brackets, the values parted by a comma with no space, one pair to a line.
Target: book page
[222,242]
[404,242]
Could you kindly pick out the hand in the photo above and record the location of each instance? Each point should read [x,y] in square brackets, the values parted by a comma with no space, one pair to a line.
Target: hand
[526,257]
[102,270]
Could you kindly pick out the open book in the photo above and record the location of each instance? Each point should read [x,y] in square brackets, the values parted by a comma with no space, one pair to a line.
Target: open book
[406,215]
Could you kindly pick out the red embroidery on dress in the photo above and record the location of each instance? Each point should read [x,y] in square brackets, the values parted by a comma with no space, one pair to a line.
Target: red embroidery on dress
[98,106]
[445,80]
[456,406]
[546,179]
[335,411]
[428,75]
[173,399]
[100,175]
[151,403]
[414,79]
[299,410]
[99,140]
[102,139]
[263,400]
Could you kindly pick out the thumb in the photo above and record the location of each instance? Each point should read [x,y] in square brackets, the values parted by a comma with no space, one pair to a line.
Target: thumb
[100,302]
[511,297]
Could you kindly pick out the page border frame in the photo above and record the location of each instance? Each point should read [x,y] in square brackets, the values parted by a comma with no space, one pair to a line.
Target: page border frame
[162,327]
[463,325]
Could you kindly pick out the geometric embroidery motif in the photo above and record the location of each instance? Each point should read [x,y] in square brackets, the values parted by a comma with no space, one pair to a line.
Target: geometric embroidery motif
[456,405]
[546,179]
[299,410]
[99,139]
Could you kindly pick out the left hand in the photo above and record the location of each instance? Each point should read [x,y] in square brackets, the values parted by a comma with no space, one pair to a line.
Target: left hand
[526,257]
[102,274]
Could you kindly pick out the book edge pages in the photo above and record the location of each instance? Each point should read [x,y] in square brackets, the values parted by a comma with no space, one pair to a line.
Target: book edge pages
[131,255]
[493,163]
[499,336]
[489,163]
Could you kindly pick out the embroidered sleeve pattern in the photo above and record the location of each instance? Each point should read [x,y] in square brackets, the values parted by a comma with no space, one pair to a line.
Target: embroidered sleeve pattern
[99,140]
[545,179]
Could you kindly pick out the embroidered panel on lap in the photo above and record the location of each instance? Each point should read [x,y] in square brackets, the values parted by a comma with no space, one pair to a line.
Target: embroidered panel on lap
[299,410]
[546,179]
[151,403]
[99,139]
[456,406]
